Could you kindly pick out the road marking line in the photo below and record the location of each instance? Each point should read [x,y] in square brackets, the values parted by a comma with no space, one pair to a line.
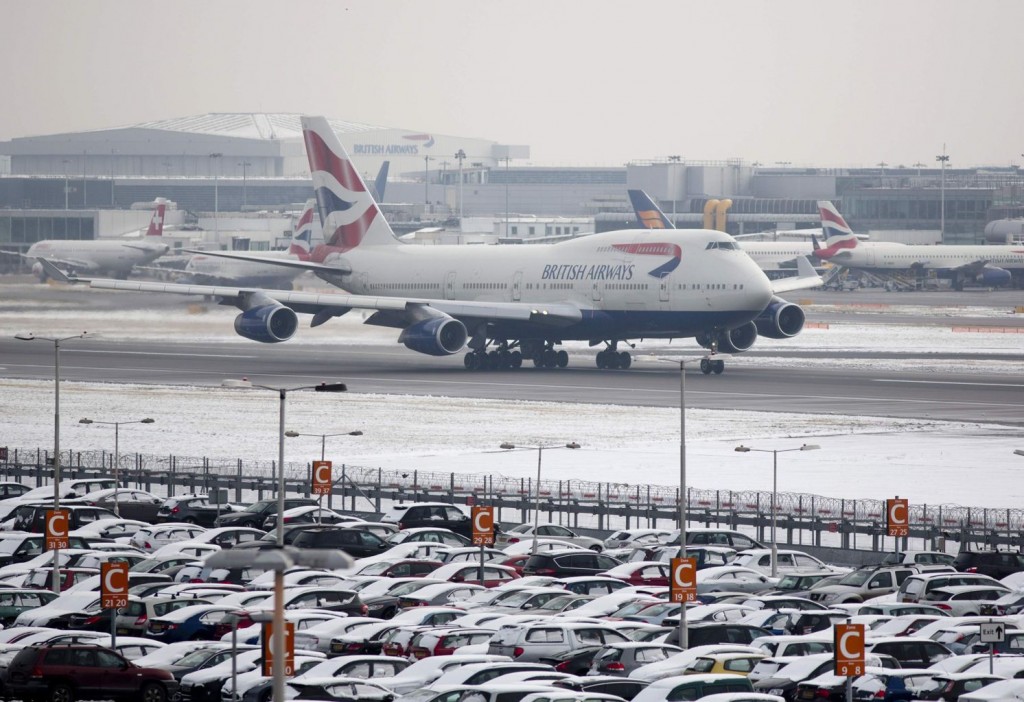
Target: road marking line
[951,382]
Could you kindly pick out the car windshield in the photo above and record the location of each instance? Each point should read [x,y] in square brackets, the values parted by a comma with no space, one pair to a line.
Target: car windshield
[261,506]
[557,604]
[516,599]
[374,568]
[856,578]
[194,658]
[789,582]
[406,588]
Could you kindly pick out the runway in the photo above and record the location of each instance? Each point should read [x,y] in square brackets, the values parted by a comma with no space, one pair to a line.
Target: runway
[201,349]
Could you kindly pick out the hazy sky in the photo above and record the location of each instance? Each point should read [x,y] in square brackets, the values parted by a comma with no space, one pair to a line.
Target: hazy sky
[582,82]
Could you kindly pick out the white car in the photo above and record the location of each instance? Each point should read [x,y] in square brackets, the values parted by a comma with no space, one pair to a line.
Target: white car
[153,537]
[628,538]
[790,561]
[526,546]
[524,532]
[732,578]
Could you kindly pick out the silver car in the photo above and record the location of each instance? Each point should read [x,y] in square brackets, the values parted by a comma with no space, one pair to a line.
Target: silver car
[534,641]
[524,532]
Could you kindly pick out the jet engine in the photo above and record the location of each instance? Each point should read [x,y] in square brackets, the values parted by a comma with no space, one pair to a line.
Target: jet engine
[268,324]
[780,319]
[995,276]
[437,336]
[731,340]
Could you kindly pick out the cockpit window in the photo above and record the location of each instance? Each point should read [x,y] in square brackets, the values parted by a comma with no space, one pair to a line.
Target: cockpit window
[724,245]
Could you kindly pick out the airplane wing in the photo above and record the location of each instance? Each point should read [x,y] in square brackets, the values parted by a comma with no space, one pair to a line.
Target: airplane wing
[286,262]
[807,278]
[325,305]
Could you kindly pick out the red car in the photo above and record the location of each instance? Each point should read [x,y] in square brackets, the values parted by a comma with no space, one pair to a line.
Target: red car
[641,573]
[516,563]
[405,568]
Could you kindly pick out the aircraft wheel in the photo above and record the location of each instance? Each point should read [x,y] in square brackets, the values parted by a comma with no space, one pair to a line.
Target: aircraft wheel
[705,366]
[625,360]
[718,367]
[550,358]
[538,360]
[515,360]
[469,361]
[562,359]
[601,360]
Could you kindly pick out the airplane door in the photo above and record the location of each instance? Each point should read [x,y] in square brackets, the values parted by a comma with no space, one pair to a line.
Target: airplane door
[517,286]
[449,286]
[596,294]
[664,290]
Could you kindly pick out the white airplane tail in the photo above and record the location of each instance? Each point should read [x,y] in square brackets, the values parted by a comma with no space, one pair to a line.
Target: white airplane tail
[302,240]
[349,215]
[156,222]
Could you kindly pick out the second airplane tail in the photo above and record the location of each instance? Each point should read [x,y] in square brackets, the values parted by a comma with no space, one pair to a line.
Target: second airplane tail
[649,214]
[348,213]
[302,240]
[838,234]
[156,222]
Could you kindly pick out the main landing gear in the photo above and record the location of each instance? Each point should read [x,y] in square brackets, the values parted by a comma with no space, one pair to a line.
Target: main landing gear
[506,355]
[544,355]
[496,359]
[612,358]
[712,365]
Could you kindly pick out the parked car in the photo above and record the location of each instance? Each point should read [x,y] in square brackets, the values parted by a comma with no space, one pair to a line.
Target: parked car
[411,515]
[152,538]
[255,514]
[916,587]
[32,517]
[190,509]
[130,503]
[355,542]
[66,673]
[524,532]
[638,537]
[568,563]
[996,564]
[621,659]
[535,641]
[862,584]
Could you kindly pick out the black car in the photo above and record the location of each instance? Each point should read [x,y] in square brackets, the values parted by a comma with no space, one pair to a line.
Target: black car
[255,514]
[949,687]
[626,688]
[14,601]
[997,564]
[18,548]
[566,564]
[706,633]
[355,542]
[430,514]
[33,517]
[269,540]
[191,509]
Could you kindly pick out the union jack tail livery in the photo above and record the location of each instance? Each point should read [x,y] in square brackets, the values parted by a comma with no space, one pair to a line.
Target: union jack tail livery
[838,235]
[302,240]
[156,222]
[349,215]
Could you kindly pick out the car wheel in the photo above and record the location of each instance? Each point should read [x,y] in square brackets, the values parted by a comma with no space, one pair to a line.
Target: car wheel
[190,520]
[154,692]
[595,548]
[61,692]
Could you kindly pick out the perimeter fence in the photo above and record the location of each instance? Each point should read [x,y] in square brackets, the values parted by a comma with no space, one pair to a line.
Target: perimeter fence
[801,518]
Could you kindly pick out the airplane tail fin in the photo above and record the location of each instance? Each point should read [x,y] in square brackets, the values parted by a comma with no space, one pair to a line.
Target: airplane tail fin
[649,214]
[381,182]
[838,234]
[302,240]
[156,222]
[349,215]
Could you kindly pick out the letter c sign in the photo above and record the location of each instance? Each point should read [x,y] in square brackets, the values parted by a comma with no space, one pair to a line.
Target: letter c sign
[56,529]
[483,526]
[897,517]
[849,649]
[322,478]
[683,587]
[114,585]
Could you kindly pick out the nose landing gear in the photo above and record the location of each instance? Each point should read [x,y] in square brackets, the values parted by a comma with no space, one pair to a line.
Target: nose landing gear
[712,365]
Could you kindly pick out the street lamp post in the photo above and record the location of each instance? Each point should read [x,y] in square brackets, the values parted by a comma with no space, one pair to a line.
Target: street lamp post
[943,159]
[461,155]
[245,199]
[277,648]
[1018,452]
[216,199]
[426,181]
[117,452]
[56,431]
[67,188]
[536,491]
[323,453]
[507,159]
[775,490]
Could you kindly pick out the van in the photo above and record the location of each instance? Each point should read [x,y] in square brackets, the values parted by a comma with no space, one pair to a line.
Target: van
[692,687]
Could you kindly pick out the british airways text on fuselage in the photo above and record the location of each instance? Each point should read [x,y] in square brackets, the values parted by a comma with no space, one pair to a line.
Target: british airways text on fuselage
[582,271]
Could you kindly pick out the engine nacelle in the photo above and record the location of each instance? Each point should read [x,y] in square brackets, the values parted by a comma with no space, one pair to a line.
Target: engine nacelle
[268,324]
[735,340]
[780,319]
[995,276]
[439,336]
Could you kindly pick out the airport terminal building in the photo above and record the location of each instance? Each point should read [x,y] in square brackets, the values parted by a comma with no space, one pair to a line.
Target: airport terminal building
[248,163]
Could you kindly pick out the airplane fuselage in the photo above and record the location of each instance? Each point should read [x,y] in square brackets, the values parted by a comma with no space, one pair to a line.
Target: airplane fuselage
[99,255]
[894,256]
[627,283]
[227,271]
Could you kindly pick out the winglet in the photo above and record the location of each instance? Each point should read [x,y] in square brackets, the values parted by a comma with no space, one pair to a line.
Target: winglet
[807,278]
[804,268]
[57,274]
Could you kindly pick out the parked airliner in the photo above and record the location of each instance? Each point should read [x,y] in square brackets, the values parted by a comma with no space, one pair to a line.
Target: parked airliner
[514,302]
[774,257]
[986,265]
[114,256]
[257,269]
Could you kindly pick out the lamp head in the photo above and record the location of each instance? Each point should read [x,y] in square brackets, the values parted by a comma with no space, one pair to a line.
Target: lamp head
[291,434]
[809,447]
[331,387]
[147,420]
[507,445]
[84,420]
[572,445]
[25,336]
[1018,452]
[742,449]
[357,432]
